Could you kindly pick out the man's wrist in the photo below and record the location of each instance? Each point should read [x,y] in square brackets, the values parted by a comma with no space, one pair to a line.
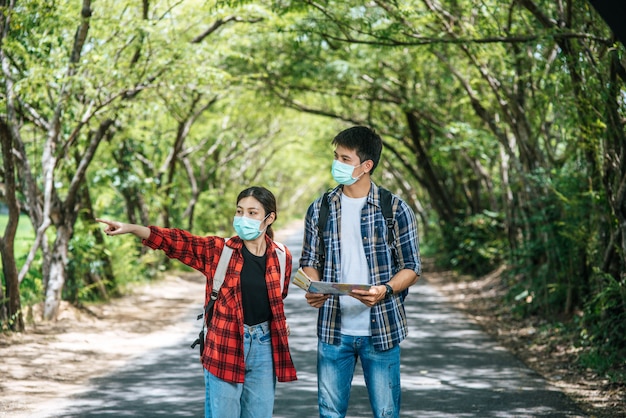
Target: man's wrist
[388,290]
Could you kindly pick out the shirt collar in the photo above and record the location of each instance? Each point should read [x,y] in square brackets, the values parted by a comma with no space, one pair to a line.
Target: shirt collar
[373,197]
[236,243]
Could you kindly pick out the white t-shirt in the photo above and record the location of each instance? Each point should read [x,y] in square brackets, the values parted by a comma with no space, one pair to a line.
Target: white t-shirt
[355,315]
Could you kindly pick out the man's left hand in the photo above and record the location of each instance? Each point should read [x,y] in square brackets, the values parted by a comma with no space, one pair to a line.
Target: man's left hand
[370,297]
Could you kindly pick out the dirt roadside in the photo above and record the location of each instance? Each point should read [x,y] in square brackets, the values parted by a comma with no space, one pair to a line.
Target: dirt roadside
[54,360]
[549,354]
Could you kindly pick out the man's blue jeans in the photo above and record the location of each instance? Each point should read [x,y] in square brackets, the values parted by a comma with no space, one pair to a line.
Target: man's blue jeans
[255,397]
[335,368]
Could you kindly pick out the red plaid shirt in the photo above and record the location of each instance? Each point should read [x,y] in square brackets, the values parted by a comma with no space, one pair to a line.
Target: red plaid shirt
[223,351]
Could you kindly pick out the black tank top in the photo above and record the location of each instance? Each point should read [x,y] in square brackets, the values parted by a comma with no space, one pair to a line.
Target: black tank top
[256,303]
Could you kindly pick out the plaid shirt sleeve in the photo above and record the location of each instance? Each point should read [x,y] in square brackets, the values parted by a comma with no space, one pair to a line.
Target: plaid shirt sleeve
[407,244]
[328,320]
[389,322]
[283,363]
[309,256]
[195,251]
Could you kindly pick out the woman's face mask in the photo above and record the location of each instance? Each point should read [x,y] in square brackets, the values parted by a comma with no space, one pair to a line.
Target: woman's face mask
[342,173]
[248,229]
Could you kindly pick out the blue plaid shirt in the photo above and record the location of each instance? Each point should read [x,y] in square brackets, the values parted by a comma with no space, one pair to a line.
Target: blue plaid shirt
[388,318]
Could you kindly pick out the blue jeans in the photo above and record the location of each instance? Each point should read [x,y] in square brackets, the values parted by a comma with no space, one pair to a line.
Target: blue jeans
[254,398]
[335,368]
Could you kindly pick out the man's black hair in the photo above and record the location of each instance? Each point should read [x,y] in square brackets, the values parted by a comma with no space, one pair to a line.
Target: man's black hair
[364,141]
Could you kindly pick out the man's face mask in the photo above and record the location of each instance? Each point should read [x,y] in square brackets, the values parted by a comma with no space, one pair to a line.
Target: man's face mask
[248,229]
[342,173]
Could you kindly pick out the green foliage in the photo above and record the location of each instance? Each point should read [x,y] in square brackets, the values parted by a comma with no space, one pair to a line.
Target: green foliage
[603,326]
[552,258]
[481,247]
[31,288]
[606,361]
[23,236]
[85,264]
[6,325]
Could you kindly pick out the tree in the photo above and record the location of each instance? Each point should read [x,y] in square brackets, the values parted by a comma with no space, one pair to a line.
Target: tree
[10,308]
[127,72]
[75,113]
[508,115]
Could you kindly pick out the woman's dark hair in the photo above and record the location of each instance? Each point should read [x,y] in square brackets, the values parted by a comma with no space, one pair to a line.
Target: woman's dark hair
[364,141]
[267,200]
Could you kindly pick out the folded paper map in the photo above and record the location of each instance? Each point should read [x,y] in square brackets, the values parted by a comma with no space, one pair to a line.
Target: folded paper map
[304,282]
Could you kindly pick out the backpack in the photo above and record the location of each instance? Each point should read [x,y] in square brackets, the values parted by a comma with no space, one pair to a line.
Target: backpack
[218,280]
[386,208]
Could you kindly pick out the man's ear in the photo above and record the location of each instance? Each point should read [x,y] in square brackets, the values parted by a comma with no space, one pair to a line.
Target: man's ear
[368,165]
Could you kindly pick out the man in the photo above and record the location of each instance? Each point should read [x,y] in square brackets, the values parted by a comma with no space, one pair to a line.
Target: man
[367,324]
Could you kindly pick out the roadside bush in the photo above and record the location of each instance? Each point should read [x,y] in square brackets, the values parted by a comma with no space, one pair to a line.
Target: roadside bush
[479,246]
[603,329]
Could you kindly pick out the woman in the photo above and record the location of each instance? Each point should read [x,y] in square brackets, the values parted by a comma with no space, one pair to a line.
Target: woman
[249,319]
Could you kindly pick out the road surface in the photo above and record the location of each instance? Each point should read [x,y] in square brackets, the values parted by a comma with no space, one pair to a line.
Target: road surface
[450,368]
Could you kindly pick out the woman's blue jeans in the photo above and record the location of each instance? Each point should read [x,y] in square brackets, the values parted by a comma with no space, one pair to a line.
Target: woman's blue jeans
[335,369]
[255,397]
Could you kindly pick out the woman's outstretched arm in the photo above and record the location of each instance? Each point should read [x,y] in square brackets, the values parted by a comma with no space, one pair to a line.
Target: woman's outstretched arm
[119,228]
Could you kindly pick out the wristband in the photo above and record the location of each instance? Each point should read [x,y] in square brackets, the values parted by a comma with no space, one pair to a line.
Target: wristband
[389,290]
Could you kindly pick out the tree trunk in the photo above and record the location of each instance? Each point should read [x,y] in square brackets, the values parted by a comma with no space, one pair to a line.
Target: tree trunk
[58,273]
[614,172]
[95,277]
[440,198]
[11,311]
[64,213]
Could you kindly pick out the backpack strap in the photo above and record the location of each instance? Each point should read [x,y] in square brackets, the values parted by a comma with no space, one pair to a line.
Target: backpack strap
[387,209]
[321,224]
[220,271]
[282,262]
[220,275]
[218,280]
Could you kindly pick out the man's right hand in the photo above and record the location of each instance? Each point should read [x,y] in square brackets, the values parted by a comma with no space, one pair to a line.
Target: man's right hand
[316,300]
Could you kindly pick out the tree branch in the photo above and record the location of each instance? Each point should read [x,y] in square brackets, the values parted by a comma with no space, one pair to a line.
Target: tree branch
[221,22]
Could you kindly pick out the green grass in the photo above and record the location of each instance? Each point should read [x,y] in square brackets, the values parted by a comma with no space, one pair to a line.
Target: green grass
[24,237]
[31,287]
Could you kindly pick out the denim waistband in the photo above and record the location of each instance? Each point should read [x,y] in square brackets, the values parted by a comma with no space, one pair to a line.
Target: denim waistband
[264,327]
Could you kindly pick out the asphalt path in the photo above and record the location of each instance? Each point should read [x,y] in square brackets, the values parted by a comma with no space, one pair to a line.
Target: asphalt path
[449,368]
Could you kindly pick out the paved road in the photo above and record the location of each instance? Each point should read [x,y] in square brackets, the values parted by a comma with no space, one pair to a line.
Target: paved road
[450,368]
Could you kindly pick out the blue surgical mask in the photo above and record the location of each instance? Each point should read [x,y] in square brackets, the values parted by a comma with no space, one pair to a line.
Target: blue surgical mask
[248,229]
[342,173]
